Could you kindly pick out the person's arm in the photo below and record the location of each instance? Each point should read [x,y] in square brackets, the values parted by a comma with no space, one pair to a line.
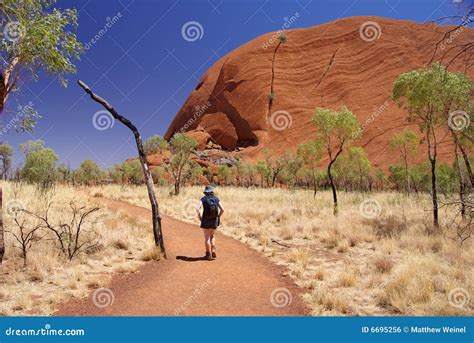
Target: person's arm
[221,210]
[199,211]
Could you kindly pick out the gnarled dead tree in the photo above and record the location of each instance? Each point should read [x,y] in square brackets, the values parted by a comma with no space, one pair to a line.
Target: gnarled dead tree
[25,235]
[156,218]
[69,234]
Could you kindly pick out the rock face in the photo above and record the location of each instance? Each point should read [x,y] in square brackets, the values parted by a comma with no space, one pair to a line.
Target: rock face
[331,65]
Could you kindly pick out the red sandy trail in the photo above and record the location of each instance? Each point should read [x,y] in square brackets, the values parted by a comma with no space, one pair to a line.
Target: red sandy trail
[239,282]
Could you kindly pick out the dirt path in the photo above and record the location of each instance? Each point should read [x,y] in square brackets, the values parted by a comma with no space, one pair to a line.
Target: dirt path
[239,282]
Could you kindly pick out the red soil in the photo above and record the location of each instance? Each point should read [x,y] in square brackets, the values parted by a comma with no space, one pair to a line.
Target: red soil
[239,282]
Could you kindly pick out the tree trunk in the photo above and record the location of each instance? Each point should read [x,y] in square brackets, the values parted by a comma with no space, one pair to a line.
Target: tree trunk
[156,218]
[315,188]
[7,85]
[464,156]
[468,164]
[432,154]
[274,179]
[176,188]
[2,242]
[407,175]
[434,192]
[333,187]
[461,183]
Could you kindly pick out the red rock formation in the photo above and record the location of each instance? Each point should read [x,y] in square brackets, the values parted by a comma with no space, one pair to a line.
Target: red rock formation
[322,66]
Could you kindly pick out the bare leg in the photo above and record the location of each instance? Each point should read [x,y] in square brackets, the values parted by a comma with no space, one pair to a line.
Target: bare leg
[207,239]
[213,242]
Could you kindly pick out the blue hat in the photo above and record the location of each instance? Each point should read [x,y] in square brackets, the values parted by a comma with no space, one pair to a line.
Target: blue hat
[208,189]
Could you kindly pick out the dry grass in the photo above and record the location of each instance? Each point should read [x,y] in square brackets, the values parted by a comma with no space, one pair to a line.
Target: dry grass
[351,264]
[49,277]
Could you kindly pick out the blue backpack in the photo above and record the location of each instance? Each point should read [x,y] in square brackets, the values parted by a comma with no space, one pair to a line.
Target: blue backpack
[211,207]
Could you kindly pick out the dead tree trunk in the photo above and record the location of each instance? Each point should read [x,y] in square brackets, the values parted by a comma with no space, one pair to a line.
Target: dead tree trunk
[156,218]
[2,241]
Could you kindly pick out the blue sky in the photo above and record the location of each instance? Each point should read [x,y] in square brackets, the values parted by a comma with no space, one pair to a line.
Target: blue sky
[146,69]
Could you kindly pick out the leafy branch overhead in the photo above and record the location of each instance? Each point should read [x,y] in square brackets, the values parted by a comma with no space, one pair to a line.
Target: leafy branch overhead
[36,37]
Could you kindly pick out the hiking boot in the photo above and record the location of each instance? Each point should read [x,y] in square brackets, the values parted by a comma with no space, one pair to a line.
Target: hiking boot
[214,255]
[208,256]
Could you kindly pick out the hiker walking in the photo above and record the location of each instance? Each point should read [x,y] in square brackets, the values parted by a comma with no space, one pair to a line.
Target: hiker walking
[210,220]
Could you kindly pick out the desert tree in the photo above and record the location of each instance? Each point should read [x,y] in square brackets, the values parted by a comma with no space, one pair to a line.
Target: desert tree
[6,153]
[352,169]
[31,146]
[237,172]
[155,144]
[405,143]
[360,166]
[24,234]
[158,174]
[116,173]
[88,173]
[310,153]
[265,174]
[65,173]
[194,172]
[334,131]
[272,166]
[70,234]
[181,147]
[39,167]
[249,171]
[36,38]
[427,95]
[156,218]
[292,164]
[455,93]
[380,177]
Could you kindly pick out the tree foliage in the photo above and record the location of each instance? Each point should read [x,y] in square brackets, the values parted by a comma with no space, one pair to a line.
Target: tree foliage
[36,37]
[6,153]
[88,173]
[40,164]
[181,147]
[334,131]
[155,144]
